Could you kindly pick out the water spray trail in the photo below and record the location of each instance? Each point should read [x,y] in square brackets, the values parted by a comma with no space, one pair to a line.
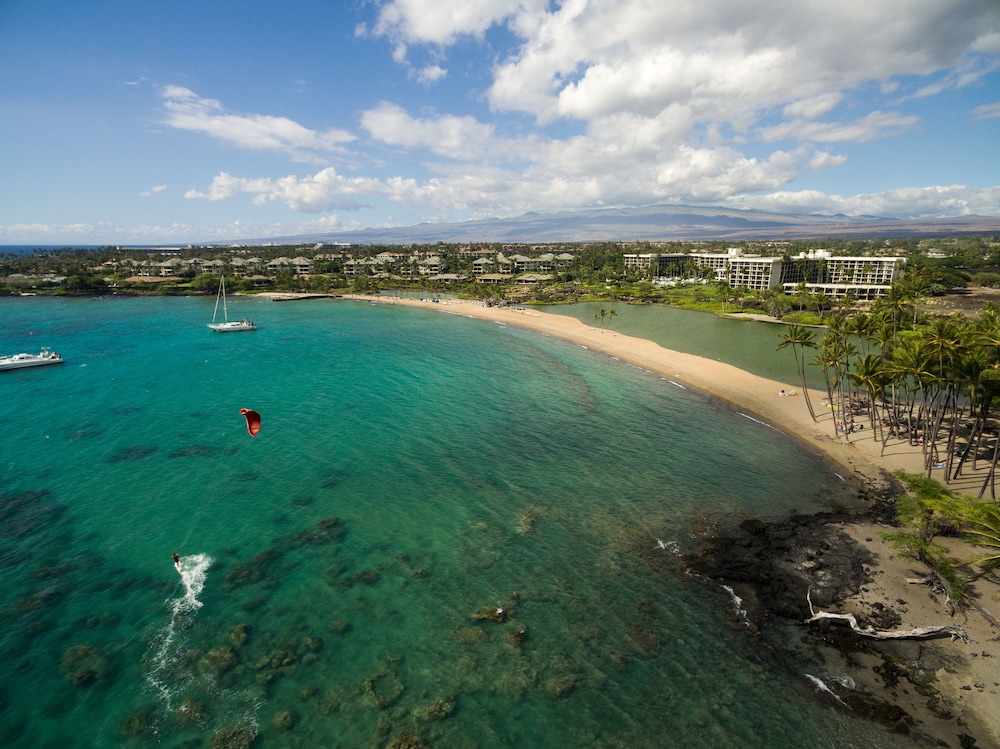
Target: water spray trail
[193,571]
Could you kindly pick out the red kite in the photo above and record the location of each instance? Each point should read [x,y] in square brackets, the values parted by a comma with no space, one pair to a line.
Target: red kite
[253,421]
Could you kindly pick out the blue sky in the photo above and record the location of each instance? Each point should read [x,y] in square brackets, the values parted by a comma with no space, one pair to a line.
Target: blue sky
[132,121]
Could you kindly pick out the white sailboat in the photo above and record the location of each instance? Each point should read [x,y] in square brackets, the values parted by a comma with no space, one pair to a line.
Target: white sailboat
[227,326]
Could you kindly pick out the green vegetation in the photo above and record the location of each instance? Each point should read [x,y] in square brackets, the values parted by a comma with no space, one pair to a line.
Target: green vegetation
[932,382]
[930,511]
[591,271]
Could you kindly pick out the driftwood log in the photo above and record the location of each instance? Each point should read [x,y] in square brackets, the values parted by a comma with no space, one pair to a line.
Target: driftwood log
[947,630]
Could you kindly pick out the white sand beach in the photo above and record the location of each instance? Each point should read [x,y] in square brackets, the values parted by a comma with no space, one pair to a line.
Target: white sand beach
[969,682]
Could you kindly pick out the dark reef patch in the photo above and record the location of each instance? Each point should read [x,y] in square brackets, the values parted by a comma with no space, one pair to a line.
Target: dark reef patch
[136,452]
[194,451]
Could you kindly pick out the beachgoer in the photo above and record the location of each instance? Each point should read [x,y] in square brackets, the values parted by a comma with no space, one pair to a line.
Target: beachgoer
[782,393]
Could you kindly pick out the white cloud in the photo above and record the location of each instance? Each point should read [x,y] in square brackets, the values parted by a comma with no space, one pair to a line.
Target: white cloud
[617,102]
[553,182]
[463,138]
[323,191]
[987,111]
[430,22]
[153,190]
[814,106]
[430,74]
[908,203]
[724,61]
[185,110]
[870,127]
[669,94]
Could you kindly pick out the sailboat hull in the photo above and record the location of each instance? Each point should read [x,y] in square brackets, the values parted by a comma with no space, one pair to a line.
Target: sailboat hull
[235,326]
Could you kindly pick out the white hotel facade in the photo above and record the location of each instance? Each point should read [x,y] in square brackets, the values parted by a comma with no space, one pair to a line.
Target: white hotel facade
[865,278]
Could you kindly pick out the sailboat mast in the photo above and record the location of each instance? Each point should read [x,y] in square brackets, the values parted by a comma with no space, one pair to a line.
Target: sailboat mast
[218,294]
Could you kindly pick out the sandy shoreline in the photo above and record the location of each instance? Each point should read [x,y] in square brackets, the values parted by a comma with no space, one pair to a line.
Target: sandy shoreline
[755,395]
[966,681]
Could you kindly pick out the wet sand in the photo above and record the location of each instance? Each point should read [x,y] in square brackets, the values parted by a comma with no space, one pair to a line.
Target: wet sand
[968,680]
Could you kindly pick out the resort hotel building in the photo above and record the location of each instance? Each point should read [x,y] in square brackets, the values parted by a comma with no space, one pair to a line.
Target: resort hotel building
[865,278]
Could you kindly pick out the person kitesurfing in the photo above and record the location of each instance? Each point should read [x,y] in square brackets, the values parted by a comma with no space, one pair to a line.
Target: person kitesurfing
[253,427]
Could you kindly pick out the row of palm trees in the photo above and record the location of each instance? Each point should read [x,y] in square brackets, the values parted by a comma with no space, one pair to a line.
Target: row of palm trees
[604,314]
[930,381]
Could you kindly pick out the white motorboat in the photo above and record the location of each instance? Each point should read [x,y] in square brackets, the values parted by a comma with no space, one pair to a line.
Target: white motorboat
[19,361]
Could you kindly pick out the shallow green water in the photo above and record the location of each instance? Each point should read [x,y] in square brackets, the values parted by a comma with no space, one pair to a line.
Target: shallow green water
[414,470]
[744,343]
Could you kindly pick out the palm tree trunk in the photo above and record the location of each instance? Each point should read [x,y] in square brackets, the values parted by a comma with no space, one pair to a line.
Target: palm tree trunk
[990,476]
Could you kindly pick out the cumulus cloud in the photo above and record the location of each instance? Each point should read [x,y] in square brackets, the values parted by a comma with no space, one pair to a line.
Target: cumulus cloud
[153,190]
[908,203]
[669,95]
[426,21]
[430,74]
[552,182]
[462,138]
[618,102]
[185,110]
[326,190]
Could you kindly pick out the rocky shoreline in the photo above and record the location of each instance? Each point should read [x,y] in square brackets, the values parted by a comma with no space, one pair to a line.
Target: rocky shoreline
[771,568]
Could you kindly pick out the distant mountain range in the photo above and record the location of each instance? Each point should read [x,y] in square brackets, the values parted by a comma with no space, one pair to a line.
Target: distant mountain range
[657,222]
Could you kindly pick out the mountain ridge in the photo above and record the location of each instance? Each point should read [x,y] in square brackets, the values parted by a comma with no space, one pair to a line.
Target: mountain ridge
[656,222]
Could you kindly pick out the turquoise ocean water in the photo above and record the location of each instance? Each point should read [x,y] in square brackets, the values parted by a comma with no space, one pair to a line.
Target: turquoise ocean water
[342,571]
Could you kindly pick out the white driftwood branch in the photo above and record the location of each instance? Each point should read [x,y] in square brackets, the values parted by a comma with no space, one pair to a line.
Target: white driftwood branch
[949,630]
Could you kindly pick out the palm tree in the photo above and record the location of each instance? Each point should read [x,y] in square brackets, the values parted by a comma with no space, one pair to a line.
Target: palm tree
[979,524]
[969,372]
[913,361]
[862,326]
[895,304]
[829,358]
[868,375]
[725,293]
[882,333]
[944,341]
[799,337]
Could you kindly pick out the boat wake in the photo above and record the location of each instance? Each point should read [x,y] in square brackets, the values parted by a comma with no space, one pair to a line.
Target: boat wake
[164,648]
[184,683]
[193,571]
